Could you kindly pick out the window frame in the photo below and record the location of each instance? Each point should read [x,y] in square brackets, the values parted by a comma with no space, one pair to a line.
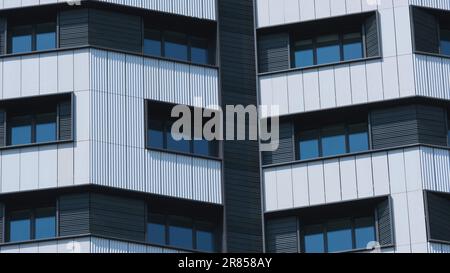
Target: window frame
[215,146]
[316,44]
[195,225]
[325,225]
[32,216]
[320,133]
[34,33]
[190,38]
[36,106]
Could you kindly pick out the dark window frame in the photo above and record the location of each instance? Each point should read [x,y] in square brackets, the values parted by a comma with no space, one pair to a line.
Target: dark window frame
[166,120]
[325,225]
[34,26]
[316,44]
[37,105]
[33,214]
[195,225]
[320,135]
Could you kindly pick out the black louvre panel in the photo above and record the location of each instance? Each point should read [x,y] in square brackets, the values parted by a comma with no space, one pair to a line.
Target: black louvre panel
[426,35]
[65,120]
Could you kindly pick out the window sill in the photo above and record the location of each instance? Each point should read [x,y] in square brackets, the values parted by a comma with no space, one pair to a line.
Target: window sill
[184,154]
[438,55]
[35,145]
[318,66]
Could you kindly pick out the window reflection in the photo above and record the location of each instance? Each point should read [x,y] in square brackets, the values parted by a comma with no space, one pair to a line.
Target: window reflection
[339,236]
[314,239]
[445,42]
[45,223]
[19,226]
[33,224]
[28,38]
[175,46]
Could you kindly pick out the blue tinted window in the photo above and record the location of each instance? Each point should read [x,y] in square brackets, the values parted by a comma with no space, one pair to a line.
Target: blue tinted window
[333,141]
[45,226]
[339,236]
[358,138]
[304,53]
[205,239]
[152,43]
[46,128]
[199,51]
[156,229]
[183,145]
[445,42]
[314,239]
[364,232]
[328,49]
[176,46]
[180,233]
[21,41]
[45,36]
[20,132]
[20,226]
[203,147]
[309,145]
[352,46]
[156,134]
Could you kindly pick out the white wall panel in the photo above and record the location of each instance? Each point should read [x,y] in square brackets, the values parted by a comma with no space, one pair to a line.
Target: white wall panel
[48,68]
[349,186]
[284,188]
[29,168]
[332,181]
[316,183]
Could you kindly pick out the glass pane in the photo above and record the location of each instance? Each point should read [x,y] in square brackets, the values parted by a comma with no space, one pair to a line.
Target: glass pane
[205,237]
[309,145]
[175,45]
[45,223]
[445,42]
[199,51]
[180,233]
[358,138]
[339,236]
[304,57]
[333,141]
[353,50]
[204,147]
[328,54]
[183,145]
[314,240]
[46,37]
[21,39]
[20,130]
[156,134]
[46,128]
[20,226]
[156,229]
[364,232]
[152,42]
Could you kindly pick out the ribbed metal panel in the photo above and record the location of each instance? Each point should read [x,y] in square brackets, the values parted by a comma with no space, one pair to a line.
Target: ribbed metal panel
[74,215]
[385,224]
[439,68]
[183,177]
[204,9]
[435,167]
[282,236]
[372,37]
[439,4]
[425,31]
[143,77]
[73,28]
[273,52]
[117,217]
[3,27]
[438,216]
[285,151]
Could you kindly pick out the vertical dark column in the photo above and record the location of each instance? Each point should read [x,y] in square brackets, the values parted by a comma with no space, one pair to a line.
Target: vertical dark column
[241,158]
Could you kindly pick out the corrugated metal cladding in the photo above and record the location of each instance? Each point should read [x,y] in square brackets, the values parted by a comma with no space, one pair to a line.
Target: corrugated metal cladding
[147,78]
[285,151]
[102,215]
[100,245]
[438,216]
[241,158]
[412,124]
[2,221]
[204,9]
[438,248]
[282,236]
[436,86]
[435,167]
[426,36]
[273,52]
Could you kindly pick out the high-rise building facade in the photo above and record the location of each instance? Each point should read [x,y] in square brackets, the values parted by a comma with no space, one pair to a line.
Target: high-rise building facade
[88,162]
